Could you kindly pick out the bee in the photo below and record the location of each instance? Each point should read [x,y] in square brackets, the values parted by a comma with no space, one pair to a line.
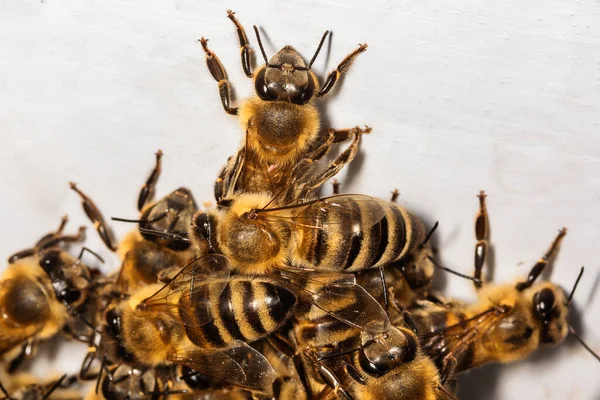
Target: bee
[201,319]
[508,323]
[146,254]
[27,387]
[342,361]
[333,235]
[281,120]
[43,291]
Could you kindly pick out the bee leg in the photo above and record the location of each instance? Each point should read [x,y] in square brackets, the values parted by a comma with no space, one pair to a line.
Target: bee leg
[246,51]
[86,366]
[283,346]
[218,72]
[26,352]
[45,241]
[333,76]
[447,369]
[542,262]
[148,189]
[94,214]
[395,194]
[332,382]
[481,235]
[337,164]
[336,186]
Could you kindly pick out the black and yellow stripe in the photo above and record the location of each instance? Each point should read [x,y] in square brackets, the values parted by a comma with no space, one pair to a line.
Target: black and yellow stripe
[351,240]
[245,309]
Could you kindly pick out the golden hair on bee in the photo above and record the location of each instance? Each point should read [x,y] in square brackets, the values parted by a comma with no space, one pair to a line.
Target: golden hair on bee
[508,322]
[280,121]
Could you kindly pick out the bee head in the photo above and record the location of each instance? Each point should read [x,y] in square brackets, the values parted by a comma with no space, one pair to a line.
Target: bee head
[387,351]
[286,76]
[169,215]
[68,275]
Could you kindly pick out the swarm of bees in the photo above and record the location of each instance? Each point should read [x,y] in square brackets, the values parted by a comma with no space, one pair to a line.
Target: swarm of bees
[276,292]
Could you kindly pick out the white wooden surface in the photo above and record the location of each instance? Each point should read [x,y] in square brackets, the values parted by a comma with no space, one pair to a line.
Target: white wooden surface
[462,96]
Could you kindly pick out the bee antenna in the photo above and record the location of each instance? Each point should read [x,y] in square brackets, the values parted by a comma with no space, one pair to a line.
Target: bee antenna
[437,265]
[341,353]
[54,387]
[430,234]
[84,249]
[580,340]
[262,49]
[134,221]
[574,287]
[312,60]
[165,235]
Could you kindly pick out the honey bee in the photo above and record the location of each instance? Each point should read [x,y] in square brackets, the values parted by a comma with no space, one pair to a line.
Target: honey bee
[27,387]
[281,120]
[332,235]
[201,319]
[154,246]
[43,291]
[508,323]
[341,361]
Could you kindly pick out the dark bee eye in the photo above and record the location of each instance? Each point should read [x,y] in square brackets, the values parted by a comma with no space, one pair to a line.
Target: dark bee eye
[113,323]
[195,379]
[50,261]
[261,87]
[543,302]
[69,295]
[306,94]
[202,225]
[390,359]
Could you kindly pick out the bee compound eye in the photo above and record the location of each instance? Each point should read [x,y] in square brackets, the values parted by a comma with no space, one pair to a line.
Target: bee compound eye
[544,303]
[262,88]
[70,295]
[202,225]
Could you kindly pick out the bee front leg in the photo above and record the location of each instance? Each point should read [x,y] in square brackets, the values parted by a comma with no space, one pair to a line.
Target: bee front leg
[333,77]
[481,235]
[218,72]
[149,188]
[94,214]
[542,262]
[246,50]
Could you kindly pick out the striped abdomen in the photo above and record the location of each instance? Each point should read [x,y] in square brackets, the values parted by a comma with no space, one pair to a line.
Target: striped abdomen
[352,239]
[247,309]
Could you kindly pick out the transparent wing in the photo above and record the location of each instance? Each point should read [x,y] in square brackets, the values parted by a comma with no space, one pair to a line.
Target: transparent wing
[341,297]
[454,340]
[191,283]
[329,212]
[238,364]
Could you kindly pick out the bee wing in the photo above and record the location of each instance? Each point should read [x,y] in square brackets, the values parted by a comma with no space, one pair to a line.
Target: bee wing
[455,340]
[328,211]
[341,297]
[238,364]
[191,282]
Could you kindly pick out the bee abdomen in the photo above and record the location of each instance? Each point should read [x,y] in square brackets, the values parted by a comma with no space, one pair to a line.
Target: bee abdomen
[246,310]
[379,244]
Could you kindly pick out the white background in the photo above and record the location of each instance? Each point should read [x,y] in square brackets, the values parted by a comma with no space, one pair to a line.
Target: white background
[462,96]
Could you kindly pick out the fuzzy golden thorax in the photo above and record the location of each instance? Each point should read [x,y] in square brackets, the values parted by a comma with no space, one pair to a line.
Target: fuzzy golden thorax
[279,132]
[254,244]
